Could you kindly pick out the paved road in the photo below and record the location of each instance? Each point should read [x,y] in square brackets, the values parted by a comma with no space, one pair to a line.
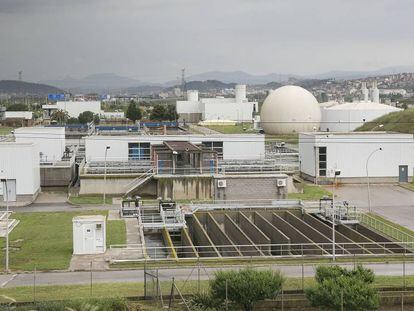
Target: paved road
[62,278]
[59,207]
[391,201]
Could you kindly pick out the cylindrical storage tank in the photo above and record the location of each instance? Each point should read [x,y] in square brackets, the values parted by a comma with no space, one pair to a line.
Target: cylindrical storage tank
[375,95]
[290,109]
[192,95]
[240,93]
[256,122]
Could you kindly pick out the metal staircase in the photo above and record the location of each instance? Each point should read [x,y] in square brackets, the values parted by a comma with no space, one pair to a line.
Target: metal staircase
[141,180]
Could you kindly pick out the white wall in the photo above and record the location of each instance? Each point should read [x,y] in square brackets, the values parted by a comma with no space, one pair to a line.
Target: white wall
[92,242]
[74,108]
[21,162]
[27,115]
[185,106]
[243,146]
[50,141]
[349,153]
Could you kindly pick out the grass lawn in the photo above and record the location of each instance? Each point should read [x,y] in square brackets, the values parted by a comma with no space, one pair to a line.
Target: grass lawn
[90,199]
[44,240]
[310,193]
[4,130]
[65,292]
[233,129]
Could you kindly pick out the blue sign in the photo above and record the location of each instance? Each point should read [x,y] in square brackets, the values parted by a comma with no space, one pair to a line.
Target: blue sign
[56,97]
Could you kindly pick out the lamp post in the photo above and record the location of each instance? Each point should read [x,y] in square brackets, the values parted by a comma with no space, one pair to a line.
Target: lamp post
[366,168]
[337,173]
[107,147]
[6,191]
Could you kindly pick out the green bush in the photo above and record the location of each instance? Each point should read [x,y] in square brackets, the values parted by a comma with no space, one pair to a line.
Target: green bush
[247,286]
[336,286]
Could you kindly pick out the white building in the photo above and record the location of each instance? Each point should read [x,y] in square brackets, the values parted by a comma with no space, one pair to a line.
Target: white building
[19,164]
[390,156]
[123,148]
[50,141]
[113,115]
[26,115]
[349,116]
[219,108]
[89,234]
[73,108]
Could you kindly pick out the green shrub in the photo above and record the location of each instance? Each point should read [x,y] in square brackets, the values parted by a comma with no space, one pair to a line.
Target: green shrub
[336,286]
[247,286]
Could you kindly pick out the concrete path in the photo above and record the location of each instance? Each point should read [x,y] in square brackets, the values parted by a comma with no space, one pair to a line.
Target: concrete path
[202,129]
[66,278]
[88,262]
[60,207]
[390,201]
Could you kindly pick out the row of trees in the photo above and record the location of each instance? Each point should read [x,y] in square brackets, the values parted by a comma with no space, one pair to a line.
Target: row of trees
[159,112]
[336,288]
[85,117]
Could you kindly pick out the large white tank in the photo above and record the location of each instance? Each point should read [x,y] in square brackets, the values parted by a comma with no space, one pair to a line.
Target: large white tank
[290,109]
[365,92]
[375,93]
[192,95]
[240,93]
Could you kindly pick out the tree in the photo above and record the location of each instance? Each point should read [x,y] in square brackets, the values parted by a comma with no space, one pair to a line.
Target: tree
[336,286]
[72,121]
[158,112]
[96,118]
[17,107]
[247,286]
[171,113]
[85,117]
[133,112]
[59,116]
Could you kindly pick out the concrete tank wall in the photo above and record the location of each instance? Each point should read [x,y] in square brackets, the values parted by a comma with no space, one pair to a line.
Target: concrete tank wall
[185,188]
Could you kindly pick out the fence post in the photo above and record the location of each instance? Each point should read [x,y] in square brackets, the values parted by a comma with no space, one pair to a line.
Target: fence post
[402,301]
[198,275]
[404,281]
[171,294]
[303,276]
[34,285]
[227,300]
[91,281]
[145,279]
[283,302]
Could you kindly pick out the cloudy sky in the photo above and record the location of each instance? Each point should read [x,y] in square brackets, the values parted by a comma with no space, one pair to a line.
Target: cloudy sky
[152,39]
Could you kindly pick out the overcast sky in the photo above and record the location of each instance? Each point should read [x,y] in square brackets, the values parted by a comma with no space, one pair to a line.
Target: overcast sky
[152,39]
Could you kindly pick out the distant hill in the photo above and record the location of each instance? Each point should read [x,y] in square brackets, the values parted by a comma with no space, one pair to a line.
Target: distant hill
[14,87]
[400,121]
[209,85]
[101,82]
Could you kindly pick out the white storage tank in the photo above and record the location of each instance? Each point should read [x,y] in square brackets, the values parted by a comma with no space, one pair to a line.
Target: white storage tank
[89,234]
[240,93]
[192,95]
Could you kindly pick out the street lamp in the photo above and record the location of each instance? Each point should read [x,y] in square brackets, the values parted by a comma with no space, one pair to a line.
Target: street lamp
[107,147]
[5,191]
[366,167]
[337,173]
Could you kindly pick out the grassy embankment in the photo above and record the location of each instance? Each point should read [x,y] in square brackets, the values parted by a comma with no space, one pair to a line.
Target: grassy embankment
[5,130]
[401,121]
[44,240]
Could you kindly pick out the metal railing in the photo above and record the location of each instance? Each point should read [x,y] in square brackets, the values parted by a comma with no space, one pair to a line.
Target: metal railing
[267,251]
[384,228]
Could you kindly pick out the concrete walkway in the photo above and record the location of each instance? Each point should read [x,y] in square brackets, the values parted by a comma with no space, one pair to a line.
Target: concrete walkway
[121,276]
[202,130]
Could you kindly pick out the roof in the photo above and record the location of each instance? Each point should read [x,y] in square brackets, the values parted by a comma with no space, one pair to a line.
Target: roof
[181,146]
[89,218]
[363,106]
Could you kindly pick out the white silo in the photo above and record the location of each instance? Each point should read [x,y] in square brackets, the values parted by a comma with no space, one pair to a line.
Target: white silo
[240,93]
[192,95]
[375,93]
[365,91]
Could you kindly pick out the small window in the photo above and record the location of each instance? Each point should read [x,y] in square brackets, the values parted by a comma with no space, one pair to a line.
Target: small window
[322,161]
[98,226]
[88,230]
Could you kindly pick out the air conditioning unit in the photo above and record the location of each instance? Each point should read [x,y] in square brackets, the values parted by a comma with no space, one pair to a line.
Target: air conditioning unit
[221,183]
[281,182]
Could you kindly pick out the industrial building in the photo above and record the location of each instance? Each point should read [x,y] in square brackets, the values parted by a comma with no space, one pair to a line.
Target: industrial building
[290,109]
[20,166]
[130,147]
[237,109]
[50,141]
[73,108]
[347,117]
[381,156]
[89,234]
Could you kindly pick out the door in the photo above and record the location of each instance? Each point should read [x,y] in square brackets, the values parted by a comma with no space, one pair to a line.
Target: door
[11,190]
[403,173]
[89,239]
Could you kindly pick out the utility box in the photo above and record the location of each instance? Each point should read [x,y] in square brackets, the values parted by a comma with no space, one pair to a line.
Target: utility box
[89,234]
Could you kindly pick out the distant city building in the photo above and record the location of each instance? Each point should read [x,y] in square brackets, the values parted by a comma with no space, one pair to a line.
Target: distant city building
[73,108]
[219,108]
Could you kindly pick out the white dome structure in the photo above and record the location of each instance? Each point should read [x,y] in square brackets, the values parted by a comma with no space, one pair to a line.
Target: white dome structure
[290,109]
[349,116]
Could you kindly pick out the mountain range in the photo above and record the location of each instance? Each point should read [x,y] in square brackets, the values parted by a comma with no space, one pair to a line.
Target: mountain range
[26,88]
[110,82]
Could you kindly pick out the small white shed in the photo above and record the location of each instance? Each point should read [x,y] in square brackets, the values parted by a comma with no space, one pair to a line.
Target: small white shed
[89,234]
